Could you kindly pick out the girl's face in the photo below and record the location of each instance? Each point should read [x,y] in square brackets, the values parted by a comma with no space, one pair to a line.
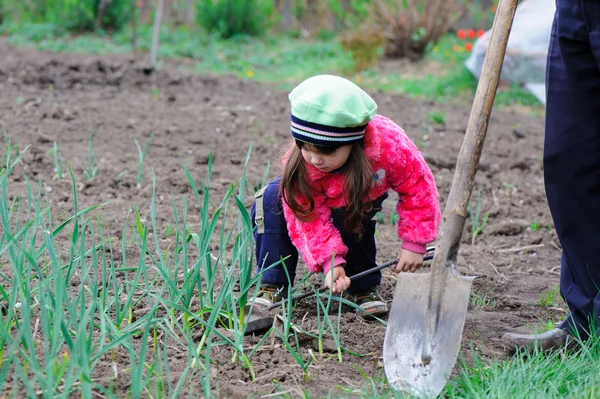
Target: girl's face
[326,159]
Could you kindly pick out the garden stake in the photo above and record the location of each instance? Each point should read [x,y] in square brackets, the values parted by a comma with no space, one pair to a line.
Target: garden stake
[428,312]
[260,319]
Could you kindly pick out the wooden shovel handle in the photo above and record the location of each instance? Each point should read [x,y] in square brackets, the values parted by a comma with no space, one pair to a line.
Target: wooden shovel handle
[468,159]
[455,214]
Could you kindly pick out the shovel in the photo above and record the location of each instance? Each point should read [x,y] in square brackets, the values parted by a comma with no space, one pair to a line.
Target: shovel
[261,320]
[428,311]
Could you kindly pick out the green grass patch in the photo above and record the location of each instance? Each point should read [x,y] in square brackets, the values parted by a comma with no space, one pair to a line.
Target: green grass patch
[65,308]
[560,374]
[541,375]
[551,297]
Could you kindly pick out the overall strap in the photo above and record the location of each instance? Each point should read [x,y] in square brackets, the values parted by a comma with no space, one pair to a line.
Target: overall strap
[259,215]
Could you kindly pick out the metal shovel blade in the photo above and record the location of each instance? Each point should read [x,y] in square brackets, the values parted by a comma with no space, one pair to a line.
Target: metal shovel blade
[411,365]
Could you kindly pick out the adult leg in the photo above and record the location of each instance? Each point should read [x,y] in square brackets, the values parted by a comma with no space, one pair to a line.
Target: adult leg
[272,240]
[572,156]
[572,165]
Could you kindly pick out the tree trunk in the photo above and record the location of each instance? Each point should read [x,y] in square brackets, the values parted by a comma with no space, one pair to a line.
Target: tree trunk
[100,13]
[167,8]
[132,10]
[156,32]
[286,10]
[146,11]
[190,13]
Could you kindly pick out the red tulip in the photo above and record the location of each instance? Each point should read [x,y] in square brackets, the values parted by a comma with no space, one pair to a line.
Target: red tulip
[480,32]
[471,33]
[468,46]
[461,34]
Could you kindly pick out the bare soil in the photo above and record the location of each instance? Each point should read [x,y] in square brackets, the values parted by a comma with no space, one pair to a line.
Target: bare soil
[63,98]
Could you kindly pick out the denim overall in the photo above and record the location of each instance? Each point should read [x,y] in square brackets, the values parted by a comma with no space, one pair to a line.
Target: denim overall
[273,242]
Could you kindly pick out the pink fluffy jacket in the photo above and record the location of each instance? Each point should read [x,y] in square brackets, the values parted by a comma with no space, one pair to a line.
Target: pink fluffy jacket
[397,164]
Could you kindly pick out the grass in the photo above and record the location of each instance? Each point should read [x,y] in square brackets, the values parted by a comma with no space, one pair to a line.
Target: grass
[141,159]
[560,374]
[477,222]
[68,305]
[483,299]
[92,164]
[283,59]
[556,375]
[58,162]
[436,117]
[551,297]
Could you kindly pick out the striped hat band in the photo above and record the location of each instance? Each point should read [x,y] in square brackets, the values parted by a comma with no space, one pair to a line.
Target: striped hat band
[326,136]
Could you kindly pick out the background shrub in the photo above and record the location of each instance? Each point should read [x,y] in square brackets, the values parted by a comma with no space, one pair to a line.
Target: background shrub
[229,18]
[411,25]
[73,15]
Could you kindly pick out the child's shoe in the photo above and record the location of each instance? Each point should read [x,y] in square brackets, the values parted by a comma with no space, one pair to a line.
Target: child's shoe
[269,294]
[370,302]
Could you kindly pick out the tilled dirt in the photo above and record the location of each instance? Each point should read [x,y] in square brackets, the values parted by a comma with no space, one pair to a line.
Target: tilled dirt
[63,98]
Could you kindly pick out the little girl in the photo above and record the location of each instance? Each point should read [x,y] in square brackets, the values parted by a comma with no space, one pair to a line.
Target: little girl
[336,175]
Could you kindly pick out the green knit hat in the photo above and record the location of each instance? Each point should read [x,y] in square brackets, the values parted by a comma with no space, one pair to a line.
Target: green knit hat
[330,111]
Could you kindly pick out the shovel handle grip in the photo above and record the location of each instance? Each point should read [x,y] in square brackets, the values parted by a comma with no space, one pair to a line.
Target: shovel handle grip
[352,278]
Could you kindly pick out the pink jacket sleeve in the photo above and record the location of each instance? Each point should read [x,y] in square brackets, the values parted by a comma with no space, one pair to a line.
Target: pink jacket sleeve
[418,206]
[318,241]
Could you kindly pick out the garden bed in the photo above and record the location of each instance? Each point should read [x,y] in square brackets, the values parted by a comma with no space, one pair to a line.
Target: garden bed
[50,98]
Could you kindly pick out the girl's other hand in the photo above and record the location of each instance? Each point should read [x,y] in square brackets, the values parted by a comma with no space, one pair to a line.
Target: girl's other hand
[340,281]
[409,261]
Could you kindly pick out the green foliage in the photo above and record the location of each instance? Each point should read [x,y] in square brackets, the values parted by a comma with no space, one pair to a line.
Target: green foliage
[483,299]
[436,117]
[229,18]
[558,374]
[58,161]
[514,94]
[395,216]
[350,13]
[477,225]
[25,33]
[9,149]
[535,226]
[549,326]
[92,168]
[72,15]
[116,14]
[142,157]
[412,26]
[80,324]
[551,298]
[366,46]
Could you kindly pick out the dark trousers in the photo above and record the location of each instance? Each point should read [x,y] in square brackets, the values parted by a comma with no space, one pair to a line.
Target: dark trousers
[572,155]
[275,243]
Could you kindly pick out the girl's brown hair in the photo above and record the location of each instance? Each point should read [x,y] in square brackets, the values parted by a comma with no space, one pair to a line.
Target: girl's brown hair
[357,182]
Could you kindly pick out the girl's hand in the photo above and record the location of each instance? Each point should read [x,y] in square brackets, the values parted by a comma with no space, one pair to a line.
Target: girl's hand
[337,277]
[409,261]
